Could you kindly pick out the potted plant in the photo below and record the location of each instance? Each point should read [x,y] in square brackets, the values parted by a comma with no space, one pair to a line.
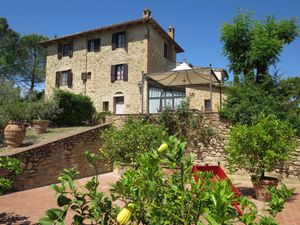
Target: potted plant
[260,148]
[43,111]
[15,129]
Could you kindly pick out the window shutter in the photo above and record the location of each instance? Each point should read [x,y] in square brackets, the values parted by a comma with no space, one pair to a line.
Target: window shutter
[71,49]
[113,73]
[97,45]
[59,51]
[70,78]
[125,41]
[113,42]
[57,79]
[125,75]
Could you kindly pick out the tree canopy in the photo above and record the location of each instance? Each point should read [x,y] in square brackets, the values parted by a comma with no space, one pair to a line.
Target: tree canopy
[252,46]
[22,59]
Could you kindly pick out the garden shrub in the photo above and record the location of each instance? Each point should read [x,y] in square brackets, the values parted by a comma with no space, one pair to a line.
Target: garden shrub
[260,147]
[152,196]
[186,124]
[11,165]
[75,109]
[43,109]
[123,146]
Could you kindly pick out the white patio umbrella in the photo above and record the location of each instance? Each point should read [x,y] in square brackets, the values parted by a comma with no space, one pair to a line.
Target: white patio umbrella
[185,77]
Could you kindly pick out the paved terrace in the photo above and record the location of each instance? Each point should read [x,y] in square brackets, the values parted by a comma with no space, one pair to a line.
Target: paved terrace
[26,207]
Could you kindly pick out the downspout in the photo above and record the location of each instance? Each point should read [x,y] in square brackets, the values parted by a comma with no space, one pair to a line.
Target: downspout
[86,63]
[147,67]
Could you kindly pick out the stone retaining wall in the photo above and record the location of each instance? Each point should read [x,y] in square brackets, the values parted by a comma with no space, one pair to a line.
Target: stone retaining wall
[213,152]
[42,163]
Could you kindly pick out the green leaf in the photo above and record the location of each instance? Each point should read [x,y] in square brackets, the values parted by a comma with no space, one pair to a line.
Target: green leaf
[63,200]
[54,213]
[46,221]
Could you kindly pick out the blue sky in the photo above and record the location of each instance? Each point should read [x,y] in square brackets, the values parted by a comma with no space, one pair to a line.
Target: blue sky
[197,22]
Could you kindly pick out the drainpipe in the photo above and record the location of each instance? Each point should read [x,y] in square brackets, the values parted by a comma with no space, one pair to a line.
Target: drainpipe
[86,62]
[142,90]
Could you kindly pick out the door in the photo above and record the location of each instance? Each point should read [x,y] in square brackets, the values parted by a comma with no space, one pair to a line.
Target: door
[119,105]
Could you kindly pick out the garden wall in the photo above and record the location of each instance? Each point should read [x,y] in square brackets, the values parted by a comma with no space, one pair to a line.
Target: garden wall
[213,152]
[42,163]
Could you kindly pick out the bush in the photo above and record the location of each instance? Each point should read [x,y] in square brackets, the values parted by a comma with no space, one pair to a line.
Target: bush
[152,196]
[43,109]
[260,147]
[76,109]
[11,165]
[123,146]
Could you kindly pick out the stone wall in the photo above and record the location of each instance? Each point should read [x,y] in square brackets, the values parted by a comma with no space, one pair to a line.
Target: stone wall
[42,163]
[213,152]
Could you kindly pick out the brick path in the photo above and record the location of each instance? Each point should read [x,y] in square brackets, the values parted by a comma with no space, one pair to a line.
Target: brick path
[26,207]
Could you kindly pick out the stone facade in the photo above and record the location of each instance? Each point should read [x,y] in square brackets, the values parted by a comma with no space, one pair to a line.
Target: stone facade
[200,93]
[42,163]
[143,53]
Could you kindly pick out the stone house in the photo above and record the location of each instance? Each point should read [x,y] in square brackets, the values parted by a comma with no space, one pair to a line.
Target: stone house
[117,66]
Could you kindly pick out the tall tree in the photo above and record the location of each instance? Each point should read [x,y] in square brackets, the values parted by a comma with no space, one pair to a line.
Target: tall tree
[252,46]
[33,60]
[9,49]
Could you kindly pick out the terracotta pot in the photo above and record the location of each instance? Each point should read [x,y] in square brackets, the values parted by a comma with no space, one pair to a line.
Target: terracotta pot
[14,134]
[260,188]
[40,126]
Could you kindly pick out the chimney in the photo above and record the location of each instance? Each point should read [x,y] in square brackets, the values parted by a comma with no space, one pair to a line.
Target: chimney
[171,32]
[146,13]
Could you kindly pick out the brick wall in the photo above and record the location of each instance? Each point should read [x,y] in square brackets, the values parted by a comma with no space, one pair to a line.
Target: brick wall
[42,163]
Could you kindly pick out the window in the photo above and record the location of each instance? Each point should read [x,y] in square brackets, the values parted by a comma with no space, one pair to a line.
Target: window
[165,50]
[207,105]
[85,76]
[118,40]
[105,107]
[160,98]
[119,72]
[94,45]
[64,78]
[66,49]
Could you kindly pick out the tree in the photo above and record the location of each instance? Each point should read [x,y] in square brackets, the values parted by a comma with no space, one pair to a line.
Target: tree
[33,60]
[9,46]
[261,146]
[252,46]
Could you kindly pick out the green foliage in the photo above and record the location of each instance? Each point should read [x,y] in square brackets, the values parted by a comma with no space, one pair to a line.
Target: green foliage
[100,117]
[9,50]
[252,46]
[156,196]
[123,146]
[43,109]
[76,109]
[248,99]
[32,60]
[260,147]
[186,124]
[279,197]
[88,205]
[11,165]
[9,95]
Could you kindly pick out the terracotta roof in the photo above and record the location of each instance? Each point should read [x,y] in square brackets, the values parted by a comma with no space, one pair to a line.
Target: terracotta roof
[150,21]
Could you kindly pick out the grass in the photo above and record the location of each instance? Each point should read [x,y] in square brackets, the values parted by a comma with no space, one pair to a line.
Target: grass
[32,137]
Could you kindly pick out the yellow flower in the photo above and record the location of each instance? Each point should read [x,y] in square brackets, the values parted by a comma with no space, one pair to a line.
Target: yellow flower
[162,147]
[124,216]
